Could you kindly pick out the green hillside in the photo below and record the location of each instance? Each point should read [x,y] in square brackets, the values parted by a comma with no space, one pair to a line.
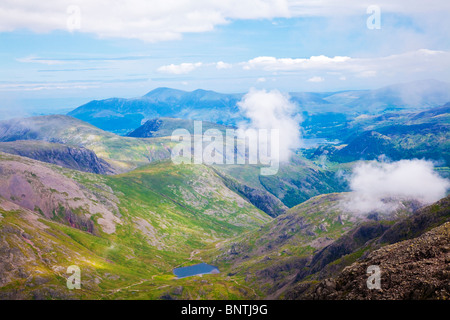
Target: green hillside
[301,243]
[295,182]
[124,230]
[123,153]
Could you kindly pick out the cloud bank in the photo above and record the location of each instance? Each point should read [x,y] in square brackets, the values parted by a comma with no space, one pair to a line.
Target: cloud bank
[421,61]
[153,20]
[413,65]
[148,20]
[272,110]
[377,186]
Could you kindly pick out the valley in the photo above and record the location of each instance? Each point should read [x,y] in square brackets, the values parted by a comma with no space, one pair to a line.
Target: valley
[224,159]
[117,207]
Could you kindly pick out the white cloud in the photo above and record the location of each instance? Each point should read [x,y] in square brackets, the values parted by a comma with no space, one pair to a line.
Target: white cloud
[379,71]
[289,64]
[352,7]
[316,79]
[154,20]
[272,110]
[223,65]
[427,62]
[182,68]
[148,20]
[377,186]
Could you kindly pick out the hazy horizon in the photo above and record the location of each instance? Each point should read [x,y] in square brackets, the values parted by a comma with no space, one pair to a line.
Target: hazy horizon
[79,51]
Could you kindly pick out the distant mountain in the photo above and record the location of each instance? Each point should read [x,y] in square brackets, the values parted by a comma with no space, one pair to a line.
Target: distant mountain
[418,94]
[163,127]
[424,134]
[164,94]
[124,115]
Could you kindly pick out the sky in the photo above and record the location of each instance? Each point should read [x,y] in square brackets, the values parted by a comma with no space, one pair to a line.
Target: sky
[59,54]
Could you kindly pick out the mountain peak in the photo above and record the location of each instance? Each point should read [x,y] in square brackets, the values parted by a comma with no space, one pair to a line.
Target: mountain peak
[164,91]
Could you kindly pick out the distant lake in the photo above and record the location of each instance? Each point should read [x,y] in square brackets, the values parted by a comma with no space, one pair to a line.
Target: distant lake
[315,142]
[196,269]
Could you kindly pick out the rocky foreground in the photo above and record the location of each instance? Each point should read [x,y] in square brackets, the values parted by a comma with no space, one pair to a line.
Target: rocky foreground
[413,269]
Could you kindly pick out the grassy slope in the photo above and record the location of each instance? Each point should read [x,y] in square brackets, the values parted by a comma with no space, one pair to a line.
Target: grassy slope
[124,153]
[269,257]
[273,257]
[170,216]
[296,181]
[167,215]
[188,215]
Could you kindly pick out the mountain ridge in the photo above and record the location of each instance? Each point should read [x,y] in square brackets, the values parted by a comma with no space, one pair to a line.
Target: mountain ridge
[125,115]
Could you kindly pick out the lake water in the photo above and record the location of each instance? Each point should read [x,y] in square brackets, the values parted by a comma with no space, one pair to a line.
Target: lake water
[196,269]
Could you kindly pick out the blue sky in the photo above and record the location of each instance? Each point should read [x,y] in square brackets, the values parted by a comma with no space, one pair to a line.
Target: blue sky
[63,53]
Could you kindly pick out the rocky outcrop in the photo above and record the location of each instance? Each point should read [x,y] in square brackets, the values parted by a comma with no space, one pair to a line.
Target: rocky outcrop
[36,186]
[260,198]
[425,219]
[412,269]
[402,250]
[347,244]
[71,157]
[147,130]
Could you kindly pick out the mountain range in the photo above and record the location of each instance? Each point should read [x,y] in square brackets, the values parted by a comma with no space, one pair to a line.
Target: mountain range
[122,154]
[75,192]
[121,116]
